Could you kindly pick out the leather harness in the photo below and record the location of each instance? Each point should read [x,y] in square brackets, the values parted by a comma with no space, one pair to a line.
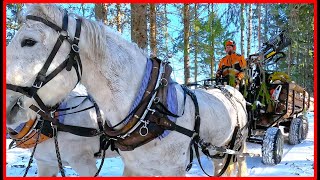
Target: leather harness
[27,136]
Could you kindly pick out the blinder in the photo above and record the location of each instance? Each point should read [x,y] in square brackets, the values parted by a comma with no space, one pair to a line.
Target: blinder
[73,60]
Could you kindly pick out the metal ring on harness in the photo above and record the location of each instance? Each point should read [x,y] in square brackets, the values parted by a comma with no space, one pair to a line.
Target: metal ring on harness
[164,82]
[75,48]
[144,128]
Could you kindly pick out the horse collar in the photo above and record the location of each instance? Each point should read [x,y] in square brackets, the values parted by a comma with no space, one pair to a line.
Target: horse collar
[140,127]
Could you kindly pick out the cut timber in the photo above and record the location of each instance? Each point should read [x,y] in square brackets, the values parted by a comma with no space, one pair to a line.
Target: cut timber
[296,87]
[298,99]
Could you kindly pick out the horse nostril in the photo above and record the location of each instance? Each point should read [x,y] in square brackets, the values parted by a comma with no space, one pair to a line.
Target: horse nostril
[13,111]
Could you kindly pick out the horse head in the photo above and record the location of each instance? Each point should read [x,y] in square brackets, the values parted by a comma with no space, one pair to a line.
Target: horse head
[33,57]
[40,72]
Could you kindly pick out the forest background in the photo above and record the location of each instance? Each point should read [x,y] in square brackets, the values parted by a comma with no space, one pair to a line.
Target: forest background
[193,34]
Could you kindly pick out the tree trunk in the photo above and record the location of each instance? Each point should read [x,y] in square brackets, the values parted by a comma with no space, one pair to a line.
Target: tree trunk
[186,23]
[211,54]
[83,10]
[166,33]
[195,43]
[118,18]
[101,12]
[259,26]
[249,30]
[139,24]
[212,60]
[242,28]
[266,23]
[153,30]
[289,59]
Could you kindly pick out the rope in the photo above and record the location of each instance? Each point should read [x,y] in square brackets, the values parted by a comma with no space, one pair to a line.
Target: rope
[55,135]
[101,164]
[33,151]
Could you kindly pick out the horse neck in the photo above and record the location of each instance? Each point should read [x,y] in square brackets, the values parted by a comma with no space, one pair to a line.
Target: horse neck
[112,74]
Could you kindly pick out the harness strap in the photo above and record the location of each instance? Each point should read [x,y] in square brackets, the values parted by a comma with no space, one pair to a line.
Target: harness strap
[195,138]
[41,77]
[194,134]
[229,156]
[19,89]
[80,131]
[163,110]
[74,52]
[48,23]
[105,140]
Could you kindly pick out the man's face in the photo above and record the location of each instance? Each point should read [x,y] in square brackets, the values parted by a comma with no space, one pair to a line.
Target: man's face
[229,50]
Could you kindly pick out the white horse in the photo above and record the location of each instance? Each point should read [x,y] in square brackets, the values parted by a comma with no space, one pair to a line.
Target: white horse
[113,70]
[76,151]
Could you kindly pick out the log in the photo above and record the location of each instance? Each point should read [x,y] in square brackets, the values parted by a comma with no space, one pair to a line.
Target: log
[296,87]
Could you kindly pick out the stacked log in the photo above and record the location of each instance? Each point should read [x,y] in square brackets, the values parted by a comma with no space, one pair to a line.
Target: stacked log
[301,99]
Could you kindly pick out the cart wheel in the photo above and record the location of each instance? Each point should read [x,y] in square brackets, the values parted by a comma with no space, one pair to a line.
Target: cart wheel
[305,126]
[296,131]
[272,146]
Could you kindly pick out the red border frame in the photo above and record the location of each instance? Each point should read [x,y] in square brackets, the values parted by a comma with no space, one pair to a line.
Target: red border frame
[163,1]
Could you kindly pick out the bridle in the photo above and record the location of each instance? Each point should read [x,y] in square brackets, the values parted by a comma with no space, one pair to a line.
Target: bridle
[73,60]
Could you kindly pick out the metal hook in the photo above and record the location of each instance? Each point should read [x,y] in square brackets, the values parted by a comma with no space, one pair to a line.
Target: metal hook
[19,102]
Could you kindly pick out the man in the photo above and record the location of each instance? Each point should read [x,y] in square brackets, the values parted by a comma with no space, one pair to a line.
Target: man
[232,65]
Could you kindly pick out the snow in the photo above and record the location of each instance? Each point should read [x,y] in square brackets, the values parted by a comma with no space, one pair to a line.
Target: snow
[298,160]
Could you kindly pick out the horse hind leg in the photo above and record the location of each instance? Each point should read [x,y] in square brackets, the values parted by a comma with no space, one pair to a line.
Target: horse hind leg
[242,164]
[230,169]
[219,165]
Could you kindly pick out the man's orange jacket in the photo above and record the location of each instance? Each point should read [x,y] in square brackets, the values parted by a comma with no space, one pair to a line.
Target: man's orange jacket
[233,64]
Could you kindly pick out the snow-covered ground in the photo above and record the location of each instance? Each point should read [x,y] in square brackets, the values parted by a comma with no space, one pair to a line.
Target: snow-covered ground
[298,160]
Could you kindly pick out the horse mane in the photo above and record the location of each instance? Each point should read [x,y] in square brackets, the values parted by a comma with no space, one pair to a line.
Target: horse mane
[96,30]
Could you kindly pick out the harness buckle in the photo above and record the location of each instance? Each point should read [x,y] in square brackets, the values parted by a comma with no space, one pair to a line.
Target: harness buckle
[152,110]
[39,111]
[64,34]
[52,114]
[36,85]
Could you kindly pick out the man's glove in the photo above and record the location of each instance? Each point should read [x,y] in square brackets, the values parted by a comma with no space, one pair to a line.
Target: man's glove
[240,75]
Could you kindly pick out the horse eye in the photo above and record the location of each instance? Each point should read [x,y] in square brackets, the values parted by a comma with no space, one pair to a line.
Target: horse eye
[28,42]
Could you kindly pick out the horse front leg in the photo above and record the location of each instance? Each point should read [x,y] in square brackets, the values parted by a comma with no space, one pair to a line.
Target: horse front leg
[46,169]
[84,164]
[128,172]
